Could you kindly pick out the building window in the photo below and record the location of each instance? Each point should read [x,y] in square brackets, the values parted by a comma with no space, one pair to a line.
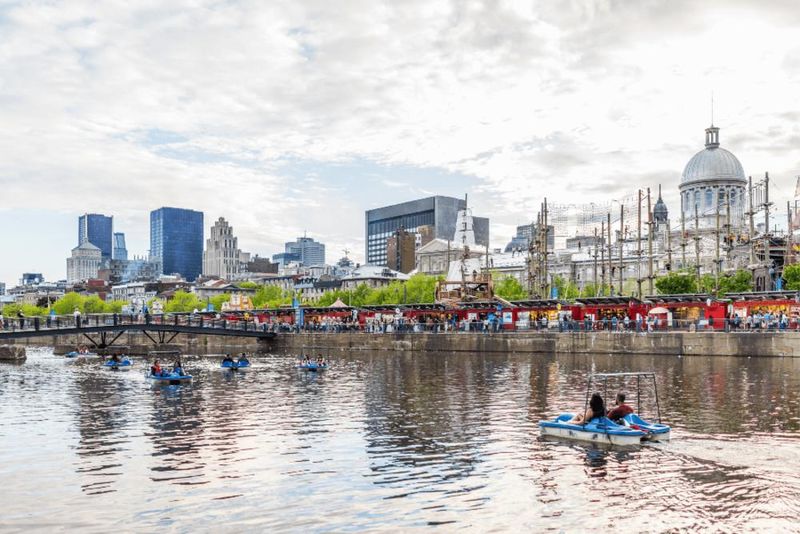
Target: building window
[697,199]
[709,198]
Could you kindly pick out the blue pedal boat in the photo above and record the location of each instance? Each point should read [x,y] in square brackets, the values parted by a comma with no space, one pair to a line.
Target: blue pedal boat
[123,365]
[630,430]
[171,379]
[599,430]
[313,367]
[235,365]
[654,431]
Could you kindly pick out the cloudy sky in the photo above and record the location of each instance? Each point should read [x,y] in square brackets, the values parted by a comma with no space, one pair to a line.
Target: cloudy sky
[296,116]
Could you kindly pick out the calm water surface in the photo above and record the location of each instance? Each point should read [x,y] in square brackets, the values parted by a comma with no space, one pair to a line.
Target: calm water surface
[393,442]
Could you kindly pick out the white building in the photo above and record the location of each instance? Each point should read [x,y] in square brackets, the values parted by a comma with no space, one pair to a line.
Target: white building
[84,263]
[713,178]
[222,257]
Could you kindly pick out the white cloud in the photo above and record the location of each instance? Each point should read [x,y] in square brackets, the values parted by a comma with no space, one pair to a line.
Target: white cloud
[203,104]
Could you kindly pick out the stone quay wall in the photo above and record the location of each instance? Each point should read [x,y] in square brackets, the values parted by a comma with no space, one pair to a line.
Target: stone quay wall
[667,343]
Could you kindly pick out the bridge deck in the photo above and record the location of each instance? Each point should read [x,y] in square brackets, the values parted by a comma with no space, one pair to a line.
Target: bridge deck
[31,327]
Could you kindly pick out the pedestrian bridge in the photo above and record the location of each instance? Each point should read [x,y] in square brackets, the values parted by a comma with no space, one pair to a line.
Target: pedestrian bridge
[102,330]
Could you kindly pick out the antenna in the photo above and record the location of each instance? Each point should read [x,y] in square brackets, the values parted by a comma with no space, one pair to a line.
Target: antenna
[712,107]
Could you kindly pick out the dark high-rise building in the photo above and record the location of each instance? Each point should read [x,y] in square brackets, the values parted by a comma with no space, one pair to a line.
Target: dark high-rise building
[400,249]
[120,250]
[97,229]
[439,211]
[176,240]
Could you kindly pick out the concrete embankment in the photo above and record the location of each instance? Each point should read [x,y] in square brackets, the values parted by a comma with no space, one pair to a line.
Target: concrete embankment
[673,343]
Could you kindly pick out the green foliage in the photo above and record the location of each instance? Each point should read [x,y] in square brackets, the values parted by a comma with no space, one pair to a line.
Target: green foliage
[28,310]
[183,302]
[676,282]
[509,288]
[114,306]
[218,301]
[567,290]
[67,304]
[270,297]
[737,282]
[791,273]
[93,304]
[247,285]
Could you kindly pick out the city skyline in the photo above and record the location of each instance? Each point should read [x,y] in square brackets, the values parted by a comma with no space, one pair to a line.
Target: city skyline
[507,104]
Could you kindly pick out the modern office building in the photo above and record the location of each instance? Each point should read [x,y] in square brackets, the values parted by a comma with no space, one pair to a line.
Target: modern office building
[2,288]
[222,257]
[30,279]
[84,262]
[97,229]
[176,240]
[304,250]
[120,250]
[439,211]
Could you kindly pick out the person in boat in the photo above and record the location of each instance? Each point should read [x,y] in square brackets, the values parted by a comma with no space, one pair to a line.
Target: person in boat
[597,408]
[155,369]
[620,410]
[243,358]
[115,358]
[177,368]
[227,359]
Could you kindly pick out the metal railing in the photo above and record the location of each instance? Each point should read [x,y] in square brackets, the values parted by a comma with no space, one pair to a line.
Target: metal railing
[55,323]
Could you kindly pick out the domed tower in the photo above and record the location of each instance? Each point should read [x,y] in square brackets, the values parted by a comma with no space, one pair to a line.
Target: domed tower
[712,179]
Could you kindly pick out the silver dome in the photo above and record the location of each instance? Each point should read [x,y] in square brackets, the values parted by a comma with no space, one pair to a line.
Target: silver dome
[713,163]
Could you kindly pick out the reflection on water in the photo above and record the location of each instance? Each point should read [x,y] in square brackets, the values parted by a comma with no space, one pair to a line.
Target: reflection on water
[395,441]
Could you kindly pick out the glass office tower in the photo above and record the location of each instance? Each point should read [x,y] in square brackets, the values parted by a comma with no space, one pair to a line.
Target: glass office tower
[97,229]
[176,239]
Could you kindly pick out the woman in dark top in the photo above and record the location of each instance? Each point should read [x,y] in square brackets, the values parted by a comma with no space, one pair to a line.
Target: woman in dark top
[597,408]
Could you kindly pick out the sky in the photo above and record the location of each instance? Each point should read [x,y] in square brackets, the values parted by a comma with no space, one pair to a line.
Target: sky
[287,117]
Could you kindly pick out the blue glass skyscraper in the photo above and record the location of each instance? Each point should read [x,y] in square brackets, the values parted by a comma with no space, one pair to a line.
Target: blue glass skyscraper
[176,237]
[97,230]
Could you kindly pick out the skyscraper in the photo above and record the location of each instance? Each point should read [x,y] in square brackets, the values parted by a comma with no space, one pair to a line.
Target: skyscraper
[120,250]
[97,230]
[439,212]
[304,250]
[176,239]
[222,256]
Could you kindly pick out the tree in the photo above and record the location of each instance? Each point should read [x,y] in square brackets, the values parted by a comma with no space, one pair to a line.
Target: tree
[247,284]
[67,304]
[676,282]
[791,273]
[509,288]
[93,304]
[183,302]
[267,296]
[218,300]
[567,290]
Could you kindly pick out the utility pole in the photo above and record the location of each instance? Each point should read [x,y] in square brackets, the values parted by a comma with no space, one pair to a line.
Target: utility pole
[728,229]
[602,261]
[697,246]
[669,247]
[788,258]
[595,261]
[751,240]
[610,269]
[639,247]
[620,243]
[766,205]
[649,244]
[717,261]
[683,239]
